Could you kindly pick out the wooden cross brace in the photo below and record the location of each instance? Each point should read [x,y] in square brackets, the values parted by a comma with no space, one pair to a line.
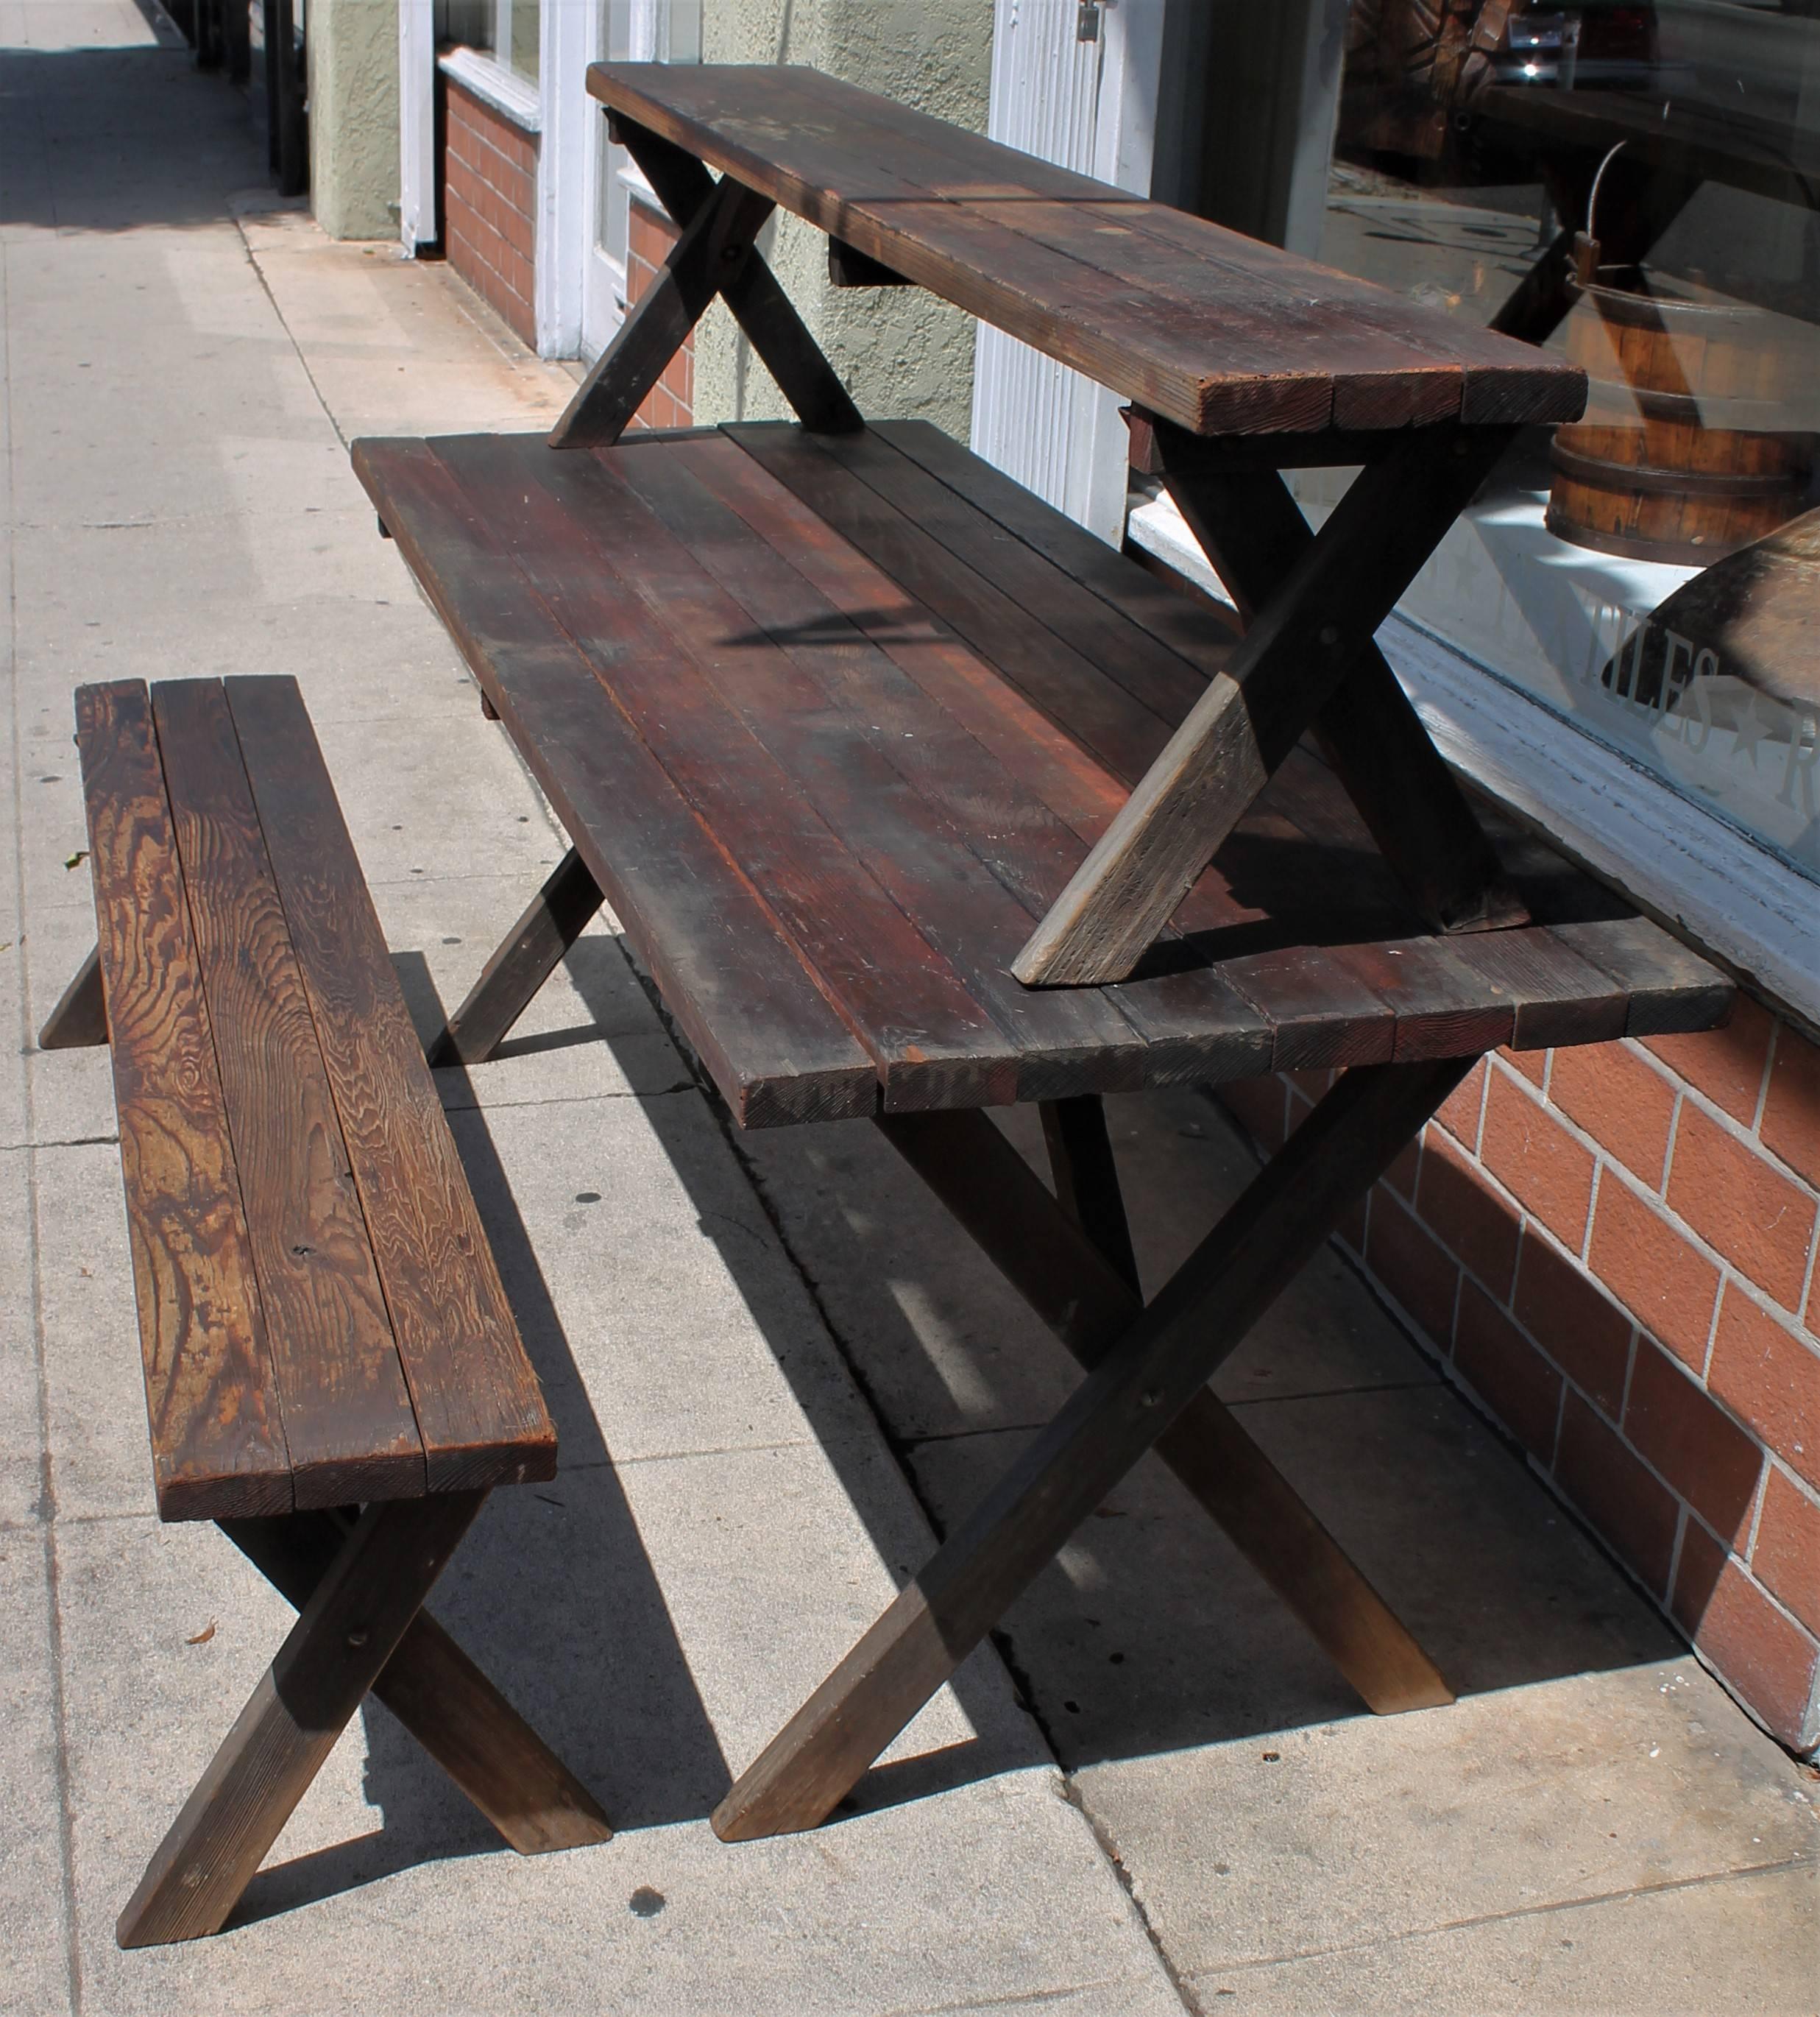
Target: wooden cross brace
[714,256]
[358,1584]
[1069,1256]
[1312,602]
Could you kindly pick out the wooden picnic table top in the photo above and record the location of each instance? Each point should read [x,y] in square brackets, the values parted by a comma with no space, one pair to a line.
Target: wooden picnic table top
[832,719]
[1198,324]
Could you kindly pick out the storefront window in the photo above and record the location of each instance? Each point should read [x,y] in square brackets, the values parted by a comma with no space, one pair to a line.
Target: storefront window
[1638,186]
[508,29]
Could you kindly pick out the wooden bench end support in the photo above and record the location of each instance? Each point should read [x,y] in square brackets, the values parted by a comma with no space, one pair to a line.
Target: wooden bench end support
[79,1021]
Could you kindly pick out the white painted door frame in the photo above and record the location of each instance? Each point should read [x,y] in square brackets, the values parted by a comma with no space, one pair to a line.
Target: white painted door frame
[416,123]
[1091,106]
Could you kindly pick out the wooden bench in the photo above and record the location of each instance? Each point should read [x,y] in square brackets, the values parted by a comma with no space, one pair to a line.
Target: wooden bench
[321,1321]
[869,749]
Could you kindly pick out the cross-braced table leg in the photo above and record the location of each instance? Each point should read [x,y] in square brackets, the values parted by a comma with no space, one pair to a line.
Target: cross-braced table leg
[354,1623]
[527,957]
[1085,1290]
[1139,1385]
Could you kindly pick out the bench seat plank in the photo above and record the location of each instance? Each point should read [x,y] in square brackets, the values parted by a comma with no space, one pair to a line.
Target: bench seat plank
[348,1422]
[1184,316]
[216,1428]
[476,1400]
[938,707]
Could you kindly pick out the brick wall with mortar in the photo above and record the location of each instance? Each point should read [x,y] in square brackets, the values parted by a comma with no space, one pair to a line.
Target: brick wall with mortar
[649,234]
[1613,1249]
[489,200]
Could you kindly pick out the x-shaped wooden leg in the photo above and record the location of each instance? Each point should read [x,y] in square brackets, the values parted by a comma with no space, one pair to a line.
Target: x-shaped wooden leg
[1144,1372]
[1309,633]
[714,256]
[360,1626]
[1085,1290]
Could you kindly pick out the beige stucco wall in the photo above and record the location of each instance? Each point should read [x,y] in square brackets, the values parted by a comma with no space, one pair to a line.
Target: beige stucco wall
[901,351]
[354,116]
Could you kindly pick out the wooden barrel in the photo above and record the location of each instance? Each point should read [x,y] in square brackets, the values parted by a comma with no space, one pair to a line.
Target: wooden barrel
[1684,454]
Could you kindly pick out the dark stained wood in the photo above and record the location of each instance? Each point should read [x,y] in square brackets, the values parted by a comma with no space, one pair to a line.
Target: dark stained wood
[444,1701]
[79,1020]
[612,575]
[1169,310]
[766,1033]
[348,1420]
[1085,1172]
[342,1639]
[849,268]
[1139,1386]
[558,914]
[716,240]
[757,304]
[217,1432]
[1324,608]
[1668,987]
[477,1402]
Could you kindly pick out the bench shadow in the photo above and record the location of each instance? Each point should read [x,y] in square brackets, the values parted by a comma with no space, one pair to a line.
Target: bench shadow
[553,1595]
[1150,1633]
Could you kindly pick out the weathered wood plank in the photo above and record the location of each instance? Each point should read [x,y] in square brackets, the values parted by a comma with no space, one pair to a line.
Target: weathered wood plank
[349,1424]
[211,1397]
[766,1033]
[476,1400]
[662,640]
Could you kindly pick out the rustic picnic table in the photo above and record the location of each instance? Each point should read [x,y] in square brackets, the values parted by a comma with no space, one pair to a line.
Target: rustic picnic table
[916,799]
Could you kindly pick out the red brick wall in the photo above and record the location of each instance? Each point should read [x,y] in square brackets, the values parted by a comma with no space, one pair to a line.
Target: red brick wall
[489,205]
[1613,1248]
[649,235]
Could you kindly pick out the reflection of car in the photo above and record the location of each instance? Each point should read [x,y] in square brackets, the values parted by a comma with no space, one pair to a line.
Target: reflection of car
[1592,47]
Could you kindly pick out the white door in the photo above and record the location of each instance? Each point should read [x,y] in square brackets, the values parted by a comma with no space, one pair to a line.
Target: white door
[1088,104]
[630,32]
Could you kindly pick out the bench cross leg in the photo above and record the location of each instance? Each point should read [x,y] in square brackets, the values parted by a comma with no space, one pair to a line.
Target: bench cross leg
[341,1641]
[714,256]
[443,1699]
[79,1021]
[1085,1290]
[1140,1382]
[1319,617]
[1250,527]
[529,954]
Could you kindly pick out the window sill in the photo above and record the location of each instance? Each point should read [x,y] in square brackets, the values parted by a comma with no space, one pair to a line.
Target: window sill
[502,90]
[1699,875]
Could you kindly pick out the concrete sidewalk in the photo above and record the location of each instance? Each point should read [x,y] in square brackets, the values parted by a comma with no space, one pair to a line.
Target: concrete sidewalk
[775,1369]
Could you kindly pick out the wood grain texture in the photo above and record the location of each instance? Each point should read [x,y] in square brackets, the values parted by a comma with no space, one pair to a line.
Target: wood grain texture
[1137,1388]
[1197,323]
[348,1422]
[211,1396]
[766,1033]
[477,1402]
[342,1639]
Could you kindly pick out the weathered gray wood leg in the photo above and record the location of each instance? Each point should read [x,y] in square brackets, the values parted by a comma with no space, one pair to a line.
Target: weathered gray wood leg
[1139,1384]
[444,1700]
[557,916]
[80,1018]
[343,1638]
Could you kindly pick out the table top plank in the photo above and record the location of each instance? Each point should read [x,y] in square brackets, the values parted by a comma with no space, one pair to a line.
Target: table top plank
[766,1033]
[218,1437]
[349,1424]
[653,623]
[1192,321]
[895,775]
[476,1398]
